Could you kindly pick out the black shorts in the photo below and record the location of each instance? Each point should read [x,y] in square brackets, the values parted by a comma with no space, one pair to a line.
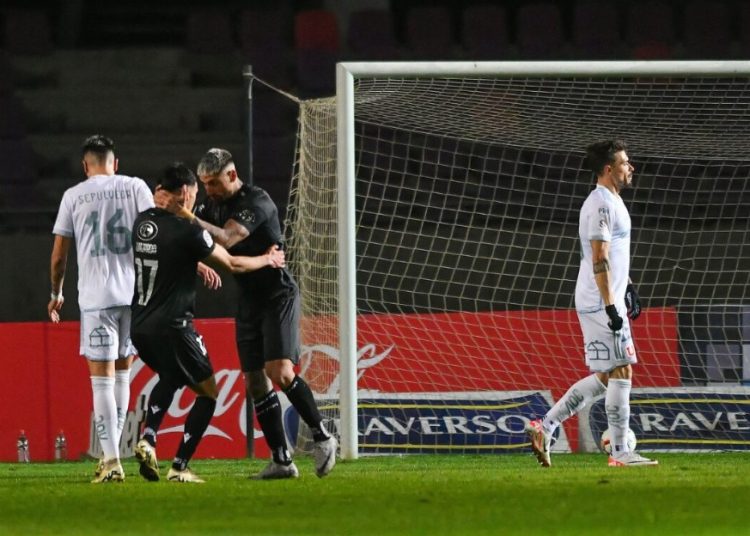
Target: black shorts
[269,333]
[176,354]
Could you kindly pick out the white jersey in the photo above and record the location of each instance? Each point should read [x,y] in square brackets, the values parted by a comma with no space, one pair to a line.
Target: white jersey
[99,213]
[603,217]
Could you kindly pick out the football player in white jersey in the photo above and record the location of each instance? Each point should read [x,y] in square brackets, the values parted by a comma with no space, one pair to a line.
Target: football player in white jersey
[98,214]
[605,298]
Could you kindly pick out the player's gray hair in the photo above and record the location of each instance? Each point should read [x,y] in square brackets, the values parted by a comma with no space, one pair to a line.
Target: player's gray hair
[214,161]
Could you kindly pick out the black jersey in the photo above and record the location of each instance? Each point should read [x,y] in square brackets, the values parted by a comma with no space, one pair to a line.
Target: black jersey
[167,250]
[254,209]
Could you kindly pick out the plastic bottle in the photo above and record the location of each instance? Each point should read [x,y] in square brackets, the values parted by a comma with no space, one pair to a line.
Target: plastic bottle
[23,448]
[61,447]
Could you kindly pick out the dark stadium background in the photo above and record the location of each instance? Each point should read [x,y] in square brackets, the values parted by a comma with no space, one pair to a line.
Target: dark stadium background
[164,80]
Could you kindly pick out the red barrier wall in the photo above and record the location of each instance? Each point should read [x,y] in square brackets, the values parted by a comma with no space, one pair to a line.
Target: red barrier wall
[46,385]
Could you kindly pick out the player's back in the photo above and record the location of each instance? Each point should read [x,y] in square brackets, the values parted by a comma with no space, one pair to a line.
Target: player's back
[254,209]
[99,213]
[167,250]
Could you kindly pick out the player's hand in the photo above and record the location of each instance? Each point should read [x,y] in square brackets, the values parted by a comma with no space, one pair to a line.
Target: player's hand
[276,256]
[167,201]
[632,302]
[53,308]
[211,278]
[615,320]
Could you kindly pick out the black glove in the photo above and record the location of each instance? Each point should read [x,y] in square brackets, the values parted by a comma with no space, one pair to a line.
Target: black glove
[632,302]
[615,320]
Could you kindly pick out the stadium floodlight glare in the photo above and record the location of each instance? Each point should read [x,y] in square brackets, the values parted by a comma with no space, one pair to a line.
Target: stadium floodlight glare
[436,204]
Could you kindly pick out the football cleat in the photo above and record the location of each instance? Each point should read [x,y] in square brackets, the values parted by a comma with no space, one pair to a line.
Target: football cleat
[99,467]
[186,475]
[630,459]
[324,454]
[111,471]
[146,456]
[274,471]
[540,442]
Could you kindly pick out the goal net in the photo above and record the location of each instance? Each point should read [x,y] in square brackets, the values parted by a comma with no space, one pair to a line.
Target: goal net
[454,193]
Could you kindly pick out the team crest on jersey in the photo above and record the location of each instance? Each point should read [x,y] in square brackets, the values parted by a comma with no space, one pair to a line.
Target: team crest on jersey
[246,215]
[147,231]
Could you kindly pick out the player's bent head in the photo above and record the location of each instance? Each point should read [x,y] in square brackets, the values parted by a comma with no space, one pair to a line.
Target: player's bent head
[175,176]
[602,153]
[214,162]
[99,148]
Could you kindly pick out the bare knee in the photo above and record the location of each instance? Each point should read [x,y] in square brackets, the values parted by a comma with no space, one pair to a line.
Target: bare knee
[257,384]
[622,373]
[281,372]
[124,363]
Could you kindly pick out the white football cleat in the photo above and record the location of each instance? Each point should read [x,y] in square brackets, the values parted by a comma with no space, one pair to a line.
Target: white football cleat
[540,442]
[630,459]
[186,475]
[146,456]
[109,471]
[275,471]
[99,467]
[324,454]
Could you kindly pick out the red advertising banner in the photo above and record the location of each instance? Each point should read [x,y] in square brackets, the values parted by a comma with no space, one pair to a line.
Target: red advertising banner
[47,386]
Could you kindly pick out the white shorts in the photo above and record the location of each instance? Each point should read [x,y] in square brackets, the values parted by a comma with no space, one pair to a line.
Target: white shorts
[604,349]
[105,334]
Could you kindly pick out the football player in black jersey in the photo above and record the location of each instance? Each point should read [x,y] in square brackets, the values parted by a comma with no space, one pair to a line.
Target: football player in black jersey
[245,220]
[167,250]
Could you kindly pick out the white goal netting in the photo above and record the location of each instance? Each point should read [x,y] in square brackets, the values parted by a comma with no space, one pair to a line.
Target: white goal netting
[467,200]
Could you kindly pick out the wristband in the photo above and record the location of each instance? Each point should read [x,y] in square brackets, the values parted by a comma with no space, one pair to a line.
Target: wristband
[56,295]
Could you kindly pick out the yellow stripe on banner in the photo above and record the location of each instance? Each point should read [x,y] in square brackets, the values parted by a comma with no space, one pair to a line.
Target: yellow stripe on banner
[694,441]
[427,406]
[690,400]
[442,447]
[441,406]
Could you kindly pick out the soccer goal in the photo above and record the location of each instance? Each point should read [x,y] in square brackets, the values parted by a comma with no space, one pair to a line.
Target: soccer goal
[433,225]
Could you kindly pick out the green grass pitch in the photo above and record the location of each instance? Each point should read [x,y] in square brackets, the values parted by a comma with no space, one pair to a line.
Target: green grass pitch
[694,494]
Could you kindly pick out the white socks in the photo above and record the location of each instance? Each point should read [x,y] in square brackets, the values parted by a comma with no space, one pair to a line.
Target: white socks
[617,405]
[122,398]
[573,401]
[105,415]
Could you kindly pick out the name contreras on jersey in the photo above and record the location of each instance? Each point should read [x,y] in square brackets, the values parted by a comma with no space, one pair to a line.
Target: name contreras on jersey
[140,247]
[105,195]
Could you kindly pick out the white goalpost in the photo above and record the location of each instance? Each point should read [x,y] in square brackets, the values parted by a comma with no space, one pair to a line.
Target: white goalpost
[432,227]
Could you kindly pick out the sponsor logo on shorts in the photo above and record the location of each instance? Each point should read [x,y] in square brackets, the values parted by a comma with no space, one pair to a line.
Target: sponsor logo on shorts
[99,338]
[597,351]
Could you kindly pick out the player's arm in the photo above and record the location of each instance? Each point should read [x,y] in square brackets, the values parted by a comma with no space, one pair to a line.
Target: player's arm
[220,258]
[58,264]
[602,276]
[229,235]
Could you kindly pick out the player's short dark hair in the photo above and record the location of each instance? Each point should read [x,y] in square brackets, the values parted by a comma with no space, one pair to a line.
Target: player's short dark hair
[214,161]
[602,153]
[177,175]
[98,145]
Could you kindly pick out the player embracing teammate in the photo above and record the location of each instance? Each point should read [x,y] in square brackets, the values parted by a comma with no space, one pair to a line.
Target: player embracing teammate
[244,220]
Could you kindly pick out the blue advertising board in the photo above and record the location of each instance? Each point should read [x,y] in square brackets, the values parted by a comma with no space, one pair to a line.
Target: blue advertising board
[465,422]
[680,419]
